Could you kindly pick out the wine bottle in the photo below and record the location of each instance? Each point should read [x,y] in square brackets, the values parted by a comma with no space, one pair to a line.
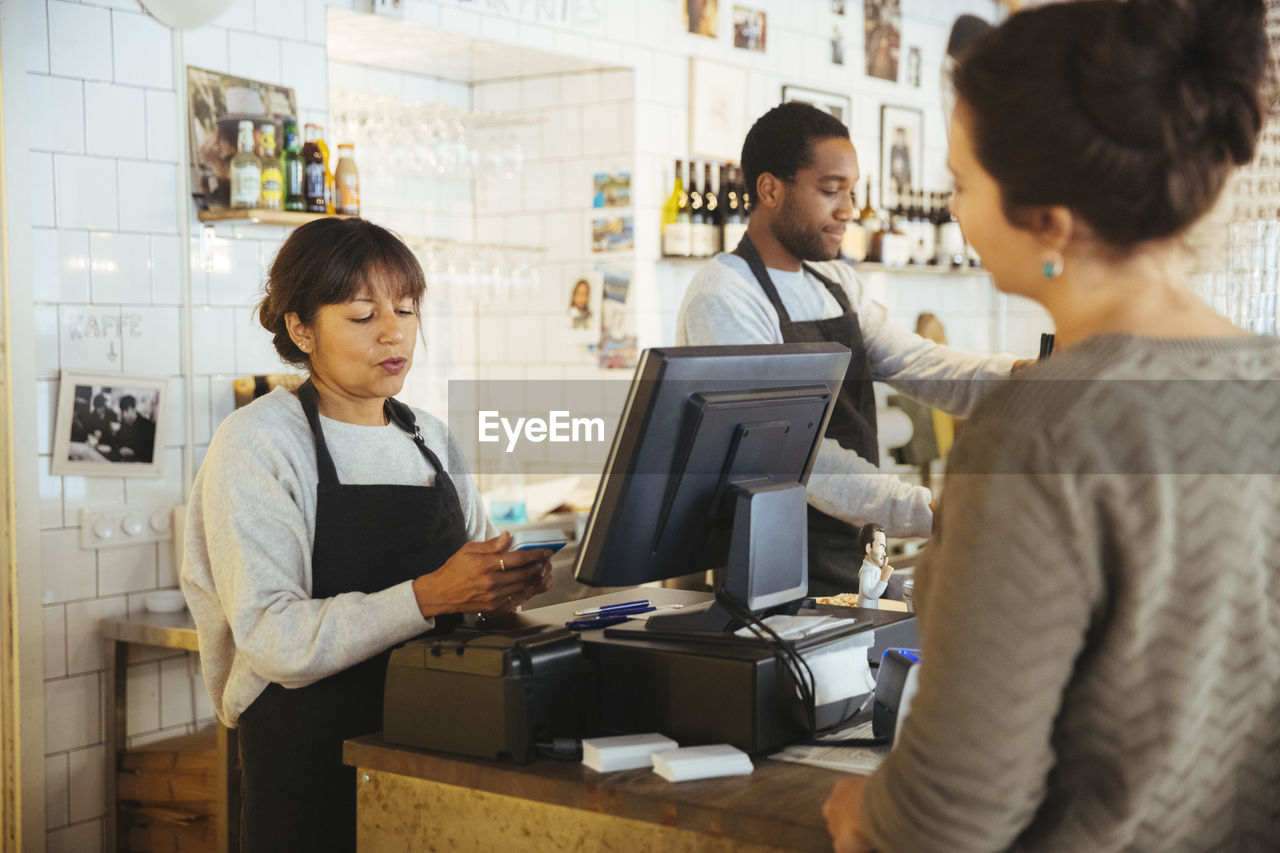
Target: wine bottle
[854,244]
[677,235]
[246,170]
[951,250]
[735,210]
[696,210]
[291,166]
[708,237]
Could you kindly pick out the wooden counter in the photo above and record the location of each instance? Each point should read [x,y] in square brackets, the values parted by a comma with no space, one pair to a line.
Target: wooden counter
[411,799]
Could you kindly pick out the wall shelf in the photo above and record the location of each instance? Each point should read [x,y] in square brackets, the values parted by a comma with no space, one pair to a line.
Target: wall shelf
[260,216]
[867,267]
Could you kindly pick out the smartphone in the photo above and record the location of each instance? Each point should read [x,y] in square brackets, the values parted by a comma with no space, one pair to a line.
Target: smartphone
[530,540]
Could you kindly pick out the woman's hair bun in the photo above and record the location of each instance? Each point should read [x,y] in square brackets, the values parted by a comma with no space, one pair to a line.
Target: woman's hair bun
[1194,69]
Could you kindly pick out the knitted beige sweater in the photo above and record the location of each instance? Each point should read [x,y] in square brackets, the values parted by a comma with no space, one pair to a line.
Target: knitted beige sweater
[1100,613]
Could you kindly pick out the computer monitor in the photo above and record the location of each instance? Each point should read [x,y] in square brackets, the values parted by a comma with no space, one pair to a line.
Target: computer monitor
[708,469]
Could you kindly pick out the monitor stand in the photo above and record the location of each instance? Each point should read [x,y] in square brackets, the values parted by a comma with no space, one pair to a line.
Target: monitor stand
[768,569]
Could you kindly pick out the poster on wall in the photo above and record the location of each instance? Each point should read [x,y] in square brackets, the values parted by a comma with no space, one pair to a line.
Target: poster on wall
[901,153]
[717,109]
[884,38]
[613,234]
[837,45]
[217,104]
[583,311]
[108,425]
[618,346]
[701,17]
[611,189]
[749,28]
[837,105]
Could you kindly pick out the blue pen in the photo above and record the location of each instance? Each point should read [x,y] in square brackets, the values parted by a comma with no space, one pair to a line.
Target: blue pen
[604,620]
[624,607]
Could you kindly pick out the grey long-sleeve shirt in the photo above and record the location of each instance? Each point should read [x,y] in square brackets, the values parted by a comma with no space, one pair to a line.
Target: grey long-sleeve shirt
[1100,613]
[725,305]
[249,533]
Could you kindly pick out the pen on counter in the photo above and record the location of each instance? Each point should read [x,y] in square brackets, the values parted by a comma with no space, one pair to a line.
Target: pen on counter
[1046,345]
[604,620]
[615,608]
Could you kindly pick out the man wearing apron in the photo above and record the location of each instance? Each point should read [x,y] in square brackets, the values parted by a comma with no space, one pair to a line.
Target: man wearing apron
[780,285]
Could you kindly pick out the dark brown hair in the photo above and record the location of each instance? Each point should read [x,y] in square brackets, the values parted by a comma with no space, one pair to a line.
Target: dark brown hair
[1131,114]
[781,141]
[867,535]
[329,262]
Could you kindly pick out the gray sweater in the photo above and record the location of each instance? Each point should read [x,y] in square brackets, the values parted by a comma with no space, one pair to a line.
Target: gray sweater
[725,305]
[249,532]
[1100,613]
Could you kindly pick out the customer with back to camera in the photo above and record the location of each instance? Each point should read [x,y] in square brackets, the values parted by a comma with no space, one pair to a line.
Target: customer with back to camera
[1100,609]
[327,526]
[801,168]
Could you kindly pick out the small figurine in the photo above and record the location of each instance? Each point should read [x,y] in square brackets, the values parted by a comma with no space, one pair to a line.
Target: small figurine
[873,576]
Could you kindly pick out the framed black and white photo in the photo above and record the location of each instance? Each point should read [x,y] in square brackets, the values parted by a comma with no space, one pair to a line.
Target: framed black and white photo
[838,105]
[109,425]
[901,154]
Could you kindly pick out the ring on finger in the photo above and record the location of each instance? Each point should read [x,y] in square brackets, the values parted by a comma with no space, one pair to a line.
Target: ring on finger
[502,566]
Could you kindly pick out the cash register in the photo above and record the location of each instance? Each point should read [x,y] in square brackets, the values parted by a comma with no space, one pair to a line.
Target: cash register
[707,472]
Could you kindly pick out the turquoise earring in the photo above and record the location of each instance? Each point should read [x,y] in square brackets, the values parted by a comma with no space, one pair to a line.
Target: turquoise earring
[1052,265]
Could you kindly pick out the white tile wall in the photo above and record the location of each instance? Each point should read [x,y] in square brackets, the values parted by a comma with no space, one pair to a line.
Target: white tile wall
[143,49]
[103,114]
[76,44]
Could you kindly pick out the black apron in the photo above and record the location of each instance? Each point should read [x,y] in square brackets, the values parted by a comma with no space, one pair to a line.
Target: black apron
[296,792]
[834,555]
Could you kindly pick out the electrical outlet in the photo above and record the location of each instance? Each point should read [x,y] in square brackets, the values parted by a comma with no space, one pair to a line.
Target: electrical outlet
[130,525]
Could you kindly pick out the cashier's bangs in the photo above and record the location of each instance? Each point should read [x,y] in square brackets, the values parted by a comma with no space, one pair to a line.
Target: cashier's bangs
[330,262]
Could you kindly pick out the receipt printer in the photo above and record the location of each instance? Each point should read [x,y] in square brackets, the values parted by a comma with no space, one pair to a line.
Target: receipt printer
[895,685]
[492,694]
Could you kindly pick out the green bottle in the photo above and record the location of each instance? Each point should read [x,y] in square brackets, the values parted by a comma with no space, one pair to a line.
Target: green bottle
[291,166]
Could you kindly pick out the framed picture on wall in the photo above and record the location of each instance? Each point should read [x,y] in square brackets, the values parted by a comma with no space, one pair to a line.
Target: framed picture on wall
[901,153]
[109,425]
[838,105]
[717,109]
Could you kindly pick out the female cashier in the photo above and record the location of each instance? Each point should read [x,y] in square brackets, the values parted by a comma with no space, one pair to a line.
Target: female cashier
[327,526]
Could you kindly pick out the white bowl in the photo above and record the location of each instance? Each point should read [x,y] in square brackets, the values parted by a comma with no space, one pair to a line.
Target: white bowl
[165,601]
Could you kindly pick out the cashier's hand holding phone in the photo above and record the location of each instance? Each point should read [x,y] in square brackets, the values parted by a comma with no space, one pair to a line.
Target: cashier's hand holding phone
[484,577]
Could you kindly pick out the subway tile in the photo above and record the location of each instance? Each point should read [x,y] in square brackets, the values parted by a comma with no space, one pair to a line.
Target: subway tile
[213,340]
[539,92]
[348,76]
[222,401]
[235,280]
[55,641]
[40,173]
[88,783]
[37,21]
[143,688]
[46,403]
[59,265]
[602,128]
[80,493]
[285,18]
[86,649]
[416,87]
[255,351]
[175,415]
[69,573]
[57,784]
[580,88]
[163,490]
[176,689]
[90,338]
[317,21]
[501,96]
[72,713]
[123,569]
[45,319]
[204,706]
[143,50]
[383,82]
[162,126]
[85,192]
[148,197]
[50,496]
[79,41]
[151,342]
[200,409]
[115,119]
[118,268]
[306,70]
[79,838]
[167,566]
[165,263]
[253,56]
[562,133]
[56,114]
[205,47]
[239,16]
